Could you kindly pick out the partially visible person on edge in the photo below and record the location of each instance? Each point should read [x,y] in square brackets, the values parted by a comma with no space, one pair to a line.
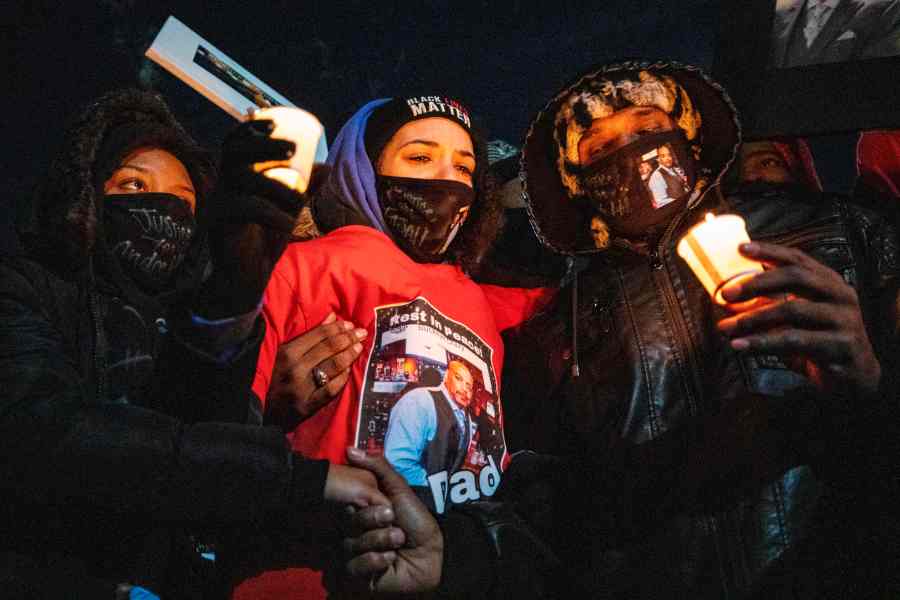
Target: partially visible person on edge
[408,220]
[789,160]
[812,32]
[775,161]
[878,172]
[130,436]
[694,450]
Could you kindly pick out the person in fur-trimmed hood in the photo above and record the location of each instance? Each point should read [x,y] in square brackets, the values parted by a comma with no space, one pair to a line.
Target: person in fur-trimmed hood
[657,357]
[129,431]
[692,450]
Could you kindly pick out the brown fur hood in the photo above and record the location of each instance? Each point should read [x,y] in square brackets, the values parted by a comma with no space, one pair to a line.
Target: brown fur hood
[61,227]
[698,105]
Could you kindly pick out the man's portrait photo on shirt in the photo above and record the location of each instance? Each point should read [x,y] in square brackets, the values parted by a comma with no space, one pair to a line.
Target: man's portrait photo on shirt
[668,182]
[430,429]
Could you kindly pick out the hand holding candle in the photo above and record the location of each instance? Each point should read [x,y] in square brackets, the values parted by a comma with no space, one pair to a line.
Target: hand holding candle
[813,321]
[301,128]
[710,248]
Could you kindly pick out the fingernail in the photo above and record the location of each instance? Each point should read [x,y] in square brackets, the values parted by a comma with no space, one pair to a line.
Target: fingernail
[361,334]
[354,452]
[740,344]
[330,318]
[385,516]
[732,291]
[346,325]
[396,537]
[357,347]
[749,248]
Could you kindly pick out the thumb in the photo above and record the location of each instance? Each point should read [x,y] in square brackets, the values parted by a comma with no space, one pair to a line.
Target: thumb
[388,479]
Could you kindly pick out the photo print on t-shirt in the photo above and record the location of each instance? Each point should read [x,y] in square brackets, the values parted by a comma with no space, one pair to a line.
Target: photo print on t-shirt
[429,403]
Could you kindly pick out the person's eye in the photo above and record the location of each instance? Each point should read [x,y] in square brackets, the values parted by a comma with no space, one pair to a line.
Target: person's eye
[465,170]
[419,158]
[134,184]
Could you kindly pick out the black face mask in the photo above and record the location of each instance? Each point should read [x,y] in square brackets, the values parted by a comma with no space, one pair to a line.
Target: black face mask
[634,204]
[424,215]
[149,235]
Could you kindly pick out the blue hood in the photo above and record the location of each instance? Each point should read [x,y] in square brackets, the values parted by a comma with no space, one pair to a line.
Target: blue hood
[352,173]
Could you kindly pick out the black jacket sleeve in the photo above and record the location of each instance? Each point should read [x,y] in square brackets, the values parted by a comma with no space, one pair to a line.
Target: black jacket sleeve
[61,445]
[551,513]
[196,386]
[491,552]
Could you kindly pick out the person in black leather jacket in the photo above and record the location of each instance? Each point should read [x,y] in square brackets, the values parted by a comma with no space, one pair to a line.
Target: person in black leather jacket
[689,451]
[130,436]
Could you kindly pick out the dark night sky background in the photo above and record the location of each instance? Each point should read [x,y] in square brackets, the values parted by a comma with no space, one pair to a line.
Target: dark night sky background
[505,59]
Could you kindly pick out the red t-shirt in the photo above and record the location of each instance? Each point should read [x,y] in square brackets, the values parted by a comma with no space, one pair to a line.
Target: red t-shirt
[420,318]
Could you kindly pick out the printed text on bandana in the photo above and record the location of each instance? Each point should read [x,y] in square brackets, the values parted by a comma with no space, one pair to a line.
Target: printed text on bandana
[160,247]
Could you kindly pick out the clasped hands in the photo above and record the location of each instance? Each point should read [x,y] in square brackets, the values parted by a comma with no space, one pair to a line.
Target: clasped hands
[394,544]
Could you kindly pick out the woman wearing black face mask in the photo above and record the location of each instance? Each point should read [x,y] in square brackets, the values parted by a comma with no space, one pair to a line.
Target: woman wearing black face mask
[106,475]
[148,205]
[408,221]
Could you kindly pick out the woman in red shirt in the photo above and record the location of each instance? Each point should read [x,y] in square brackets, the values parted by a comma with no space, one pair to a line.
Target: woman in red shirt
[409,222]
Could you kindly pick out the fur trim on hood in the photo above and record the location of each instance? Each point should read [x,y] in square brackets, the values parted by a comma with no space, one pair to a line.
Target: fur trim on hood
[61,227]
[700,107]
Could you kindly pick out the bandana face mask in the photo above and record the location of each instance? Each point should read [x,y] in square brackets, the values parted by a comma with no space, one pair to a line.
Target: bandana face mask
[424,215]
[149,235]
[642,184]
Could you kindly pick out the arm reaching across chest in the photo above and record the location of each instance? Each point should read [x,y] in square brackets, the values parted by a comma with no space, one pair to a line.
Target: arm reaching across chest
[513,306]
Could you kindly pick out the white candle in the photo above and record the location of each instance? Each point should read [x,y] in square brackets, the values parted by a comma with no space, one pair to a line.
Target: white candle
[710,248]
[302,128]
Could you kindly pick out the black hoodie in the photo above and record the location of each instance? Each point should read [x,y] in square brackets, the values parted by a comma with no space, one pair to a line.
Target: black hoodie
[103,448]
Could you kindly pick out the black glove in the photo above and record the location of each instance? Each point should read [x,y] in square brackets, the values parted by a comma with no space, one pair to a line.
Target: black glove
[250,221]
